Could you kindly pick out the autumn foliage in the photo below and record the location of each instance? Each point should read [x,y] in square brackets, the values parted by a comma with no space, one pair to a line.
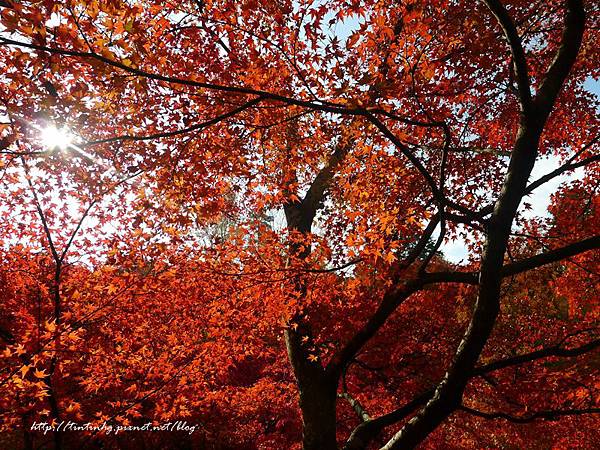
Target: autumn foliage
[239,215]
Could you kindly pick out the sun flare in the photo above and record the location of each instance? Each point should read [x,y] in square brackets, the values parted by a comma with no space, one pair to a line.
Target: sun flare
[53,137]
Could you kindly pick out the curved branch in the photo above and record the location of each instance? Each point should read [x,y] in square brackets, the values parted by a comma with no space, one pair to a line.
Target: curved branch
[391,300]
[555,350]
[320,106]
[449,392]
[356,406]
[363,434]
[409,155]
[518,54]
[515,268]
[196,127]
[555,173]
[563,61]
[313,200]
[551,256]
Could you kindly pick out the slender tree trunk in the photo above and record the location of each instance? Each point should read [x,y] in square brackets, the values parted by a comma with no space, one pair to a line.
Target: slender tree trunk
[52,397]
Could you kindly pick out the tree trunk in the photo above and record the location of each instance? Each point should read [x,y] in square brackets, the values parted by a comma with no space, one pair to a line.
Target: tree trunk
[317,389]
[318,398]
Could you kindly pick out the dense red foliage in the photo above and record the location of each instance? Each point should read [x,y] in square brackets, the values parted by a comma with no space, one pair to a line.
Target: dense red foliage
[255,203]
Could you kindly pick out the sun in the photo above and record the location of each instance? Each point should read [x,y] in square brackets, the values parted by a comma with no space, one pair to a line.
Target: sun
[53,137]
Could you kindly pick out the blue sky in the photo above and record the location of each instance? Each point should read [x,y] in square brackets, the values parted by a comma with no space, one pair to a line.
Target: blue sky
[540,198]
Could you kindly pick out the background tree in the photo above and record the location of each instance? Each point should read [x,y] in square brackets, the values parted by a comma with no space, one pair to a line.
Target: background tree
[373,133]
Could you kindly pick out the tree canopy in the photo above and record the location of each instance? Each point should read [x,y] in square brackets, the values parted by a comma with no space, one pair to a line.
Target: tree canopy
[237,215]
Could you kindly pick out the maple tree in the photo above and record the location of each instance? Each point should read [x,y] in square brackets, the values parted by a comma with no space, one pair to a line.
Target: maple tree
[235,214]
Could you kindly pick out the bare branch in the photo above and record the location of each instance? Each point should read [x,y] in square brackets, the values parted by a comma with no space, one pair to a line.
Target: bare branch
[564,168]
[358,408]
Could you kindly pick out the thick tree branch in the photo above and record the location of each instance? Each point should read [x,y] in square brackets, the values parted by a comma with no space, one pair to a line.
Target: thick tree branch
[300,214]
[449,392]
[515,268]
[543,415]
[313,200]
[563,61]
[317,389]
[356,406]
[551,256]
[556,350]
[391,300]
[364,433]
[518,54]
[549,176]
[555,173]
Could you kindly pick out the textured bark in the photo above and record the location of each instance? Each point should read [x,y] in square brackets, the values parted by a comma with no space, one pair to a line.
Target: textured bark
[317,394]
[448,394]
[317,389]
